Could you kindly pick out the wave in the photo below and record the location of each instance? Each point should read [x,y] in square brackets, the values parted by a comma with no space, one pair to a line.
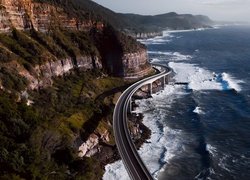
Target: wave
[211,149]
[184,30]
[165,143]
[161,149]
[198,110]
[172,56]
[202,79]
[232,82]
[157,40]
[160,52]
[115,171]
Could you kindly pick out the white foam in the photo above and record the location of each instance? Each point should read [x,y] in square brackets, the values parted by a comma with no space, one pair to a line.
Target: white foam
[160,52]
[198,110]
[155,60]
[180,56]
[211,149]
[202,79]
[184,30]
[115,171]
[156,40]
[165,144]
[232,82]
[166,37]
[174,56]
[222,162]
[198,78]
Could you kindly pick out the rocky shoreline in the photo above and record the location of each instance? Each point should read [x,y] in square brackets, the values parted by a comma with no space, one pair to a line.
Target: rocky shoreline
[140,133]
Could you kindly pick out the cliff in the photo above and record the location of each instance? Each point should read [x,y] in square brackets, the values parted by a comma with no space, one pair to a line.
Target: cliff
[42,75]
[60,64]
[26,14]
[46,41]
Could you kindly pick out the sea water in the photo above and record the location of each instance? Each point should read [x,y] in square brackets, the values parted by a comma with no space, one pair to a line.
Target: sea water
[200,130]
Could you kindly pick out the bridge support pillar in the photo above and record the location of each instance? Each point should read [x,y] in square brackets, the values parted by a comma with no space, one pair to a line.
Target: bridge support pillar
[150,89]
[167,79]
[163,82]
[130,108]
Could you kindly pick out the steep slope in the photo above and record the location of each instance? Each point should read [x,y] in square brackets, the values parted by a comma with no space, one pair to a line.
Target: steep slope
[46,40]
[56,95]
[57,64]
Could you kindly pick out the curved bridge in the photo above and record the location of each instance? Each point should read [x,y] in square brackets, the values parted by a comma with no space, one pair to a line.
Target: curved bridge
[130,157]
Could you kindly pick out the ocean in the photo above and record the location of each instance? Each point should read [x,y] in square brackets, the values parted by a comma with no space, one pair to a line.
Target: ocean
[200,130]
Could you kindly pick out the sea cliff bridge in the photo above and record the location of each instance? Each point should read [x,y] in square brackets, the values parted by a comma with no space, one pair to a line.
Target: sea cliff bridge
[130,157]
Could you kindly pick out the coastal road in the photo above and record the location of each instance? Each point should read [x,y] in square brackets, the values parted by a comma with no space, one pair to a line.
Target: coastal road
[130,157]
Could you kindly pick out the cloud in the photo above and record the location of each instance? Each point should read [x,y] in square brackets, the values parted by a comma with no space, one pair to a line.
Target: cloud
[220,2]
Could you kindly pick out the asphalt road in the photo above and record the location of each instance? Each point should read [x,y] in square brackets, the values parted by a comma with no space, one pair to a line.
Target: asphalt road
[130,157]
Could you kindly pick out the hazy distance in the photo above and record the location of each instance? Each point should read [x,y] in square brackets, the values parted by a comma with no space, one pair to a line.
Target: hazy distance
[222,10]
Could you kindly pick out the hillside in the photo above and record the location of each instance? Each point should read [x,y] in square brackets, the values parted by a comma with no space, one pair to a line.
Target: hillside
[62,68]
[167,21]
[59,71]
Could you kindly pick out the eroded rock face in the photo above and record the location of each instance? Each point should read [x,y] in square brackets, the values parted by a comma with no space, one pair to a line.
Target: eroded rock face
[88,146]
[26,14]
[42,75]
[92,146]
[136,64]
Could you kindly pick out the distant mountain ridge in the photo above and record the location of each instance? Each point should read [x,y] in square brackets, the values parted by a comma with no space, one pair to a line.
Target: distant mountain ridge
[141,23]
[131,23]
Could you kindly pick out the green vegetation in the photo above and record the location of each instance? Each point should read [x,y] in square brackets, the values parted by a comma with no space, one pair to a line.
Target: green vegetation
[5,55]
[24,47]
[40,141]
[36,142]
[31,48]
[48,43]
[12,81]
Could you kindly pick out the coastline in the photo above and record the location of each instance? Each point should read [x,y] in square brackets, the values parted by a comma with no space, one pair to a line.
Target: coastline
[162,137]
[140,120]
[137,120]
[141,133]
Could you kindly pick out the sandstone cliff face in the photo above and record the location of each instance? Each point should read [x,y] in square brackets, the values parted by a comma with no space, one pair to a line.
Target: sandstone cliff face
[47,71]
[42,75]
[136,64]
[26,14]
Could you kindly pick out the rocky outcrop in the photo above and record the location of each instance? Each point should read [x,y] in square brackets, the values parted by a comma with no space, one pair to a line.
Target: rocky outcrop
[92,145]
[26,14]
[136,64]
[89,148]
[42,75]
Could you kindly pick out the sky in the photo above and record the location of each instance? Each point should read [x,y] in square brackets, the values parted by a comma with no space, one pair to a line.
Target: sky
[226,10]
